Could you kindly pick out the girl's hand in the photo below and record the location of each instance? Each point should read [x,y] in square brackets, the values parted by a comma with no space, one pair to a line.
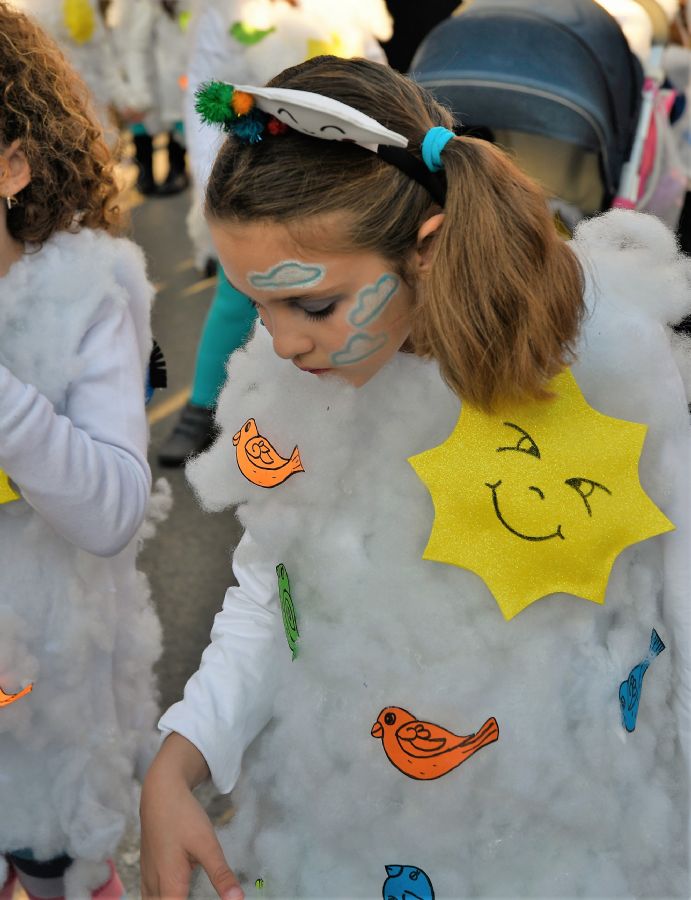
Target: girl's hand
[176,832]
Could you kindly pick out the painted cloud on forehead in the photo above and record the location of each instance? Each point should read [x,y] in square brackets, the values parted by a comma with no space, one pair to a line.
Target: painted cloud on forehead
[290,273]
[566,802]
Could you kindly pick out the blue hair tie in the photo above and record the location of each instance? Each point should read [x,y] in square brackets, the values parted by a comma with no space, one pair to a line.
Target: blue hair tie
[432,145]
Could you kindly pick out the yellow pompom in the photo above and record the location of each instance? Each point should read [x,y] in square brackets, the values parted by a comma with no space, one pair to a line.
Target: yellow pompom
[242,103]
[79,19]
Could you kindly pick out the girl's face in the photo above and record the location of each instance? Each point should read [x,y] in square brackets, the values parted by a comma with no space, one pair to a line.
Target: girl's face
[343,314]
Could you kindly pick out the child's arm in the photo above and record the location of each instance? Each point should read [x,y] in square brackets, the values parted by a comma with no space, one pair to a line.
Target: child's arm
[226,703]
[176,832]
[85,472]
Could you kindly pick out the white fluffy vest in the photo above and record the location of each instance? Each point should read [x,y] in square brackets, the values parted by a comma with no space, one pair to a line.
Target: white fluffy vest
[79,627]
[566,803]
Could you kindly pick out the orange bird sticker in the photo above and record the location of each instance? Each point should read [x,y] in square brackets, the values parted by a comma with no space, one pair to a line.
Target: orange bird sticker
[259,462]
[425,751]
[7,699]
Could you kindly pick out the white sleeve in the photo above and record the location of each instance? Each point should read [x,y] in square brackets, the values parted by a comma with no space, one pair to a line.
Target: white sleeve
[229,699]
[85,472]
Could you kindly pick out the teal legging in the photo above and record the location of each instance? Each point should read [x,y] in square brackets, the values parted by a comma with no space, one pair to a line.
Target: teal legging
[227,327]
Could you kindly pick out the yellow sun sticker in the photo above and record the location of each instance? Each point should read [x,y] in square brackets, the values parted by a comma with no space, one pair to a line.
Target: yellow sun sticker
[538,498]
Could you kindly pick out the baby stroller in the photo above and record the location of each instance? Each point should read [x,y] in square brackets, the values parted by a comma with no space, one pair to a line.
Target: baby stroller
[557,85]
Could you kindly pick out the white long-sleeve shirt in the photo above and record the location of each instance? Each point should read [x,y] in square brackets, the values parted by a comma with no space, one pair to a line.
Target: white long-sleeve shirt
[85,472]
[229,698]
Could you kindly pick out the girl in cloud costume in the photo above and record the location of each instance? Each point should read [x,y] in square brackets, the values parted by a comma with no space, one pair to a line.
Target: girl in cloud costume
[78,635]
[558,799]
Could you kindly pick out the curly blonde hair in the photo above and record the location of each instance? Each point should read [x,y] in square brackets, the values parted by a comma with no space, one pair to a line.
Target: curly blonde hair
[45,105]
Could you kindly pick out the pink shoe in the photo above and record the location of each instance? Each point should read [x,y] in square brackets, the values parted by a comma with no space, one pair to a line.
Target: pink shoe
[7,890]
[113,888]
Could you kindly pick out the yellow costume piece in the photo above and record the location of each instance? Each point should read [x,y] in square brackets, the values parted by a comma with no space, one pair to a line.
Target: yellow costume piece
[538,498]
[333,47]
[79,19]
[7,494]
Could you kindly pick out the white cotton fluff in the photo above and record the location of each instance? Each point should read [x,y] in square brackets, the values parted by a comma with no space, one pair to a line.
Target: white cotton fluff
[81,628]
[566,803]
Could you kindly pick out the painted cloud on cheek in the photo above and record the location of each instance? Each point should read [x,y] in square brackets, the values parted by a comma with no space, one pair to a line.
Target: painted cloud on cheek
[359,347]
[290,273]
[373,300]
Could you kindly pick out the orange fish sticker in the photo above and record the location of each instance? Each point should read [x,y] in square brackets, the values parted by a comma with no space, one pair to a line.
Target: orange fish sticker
[425,751]
[7,699]
[259,462]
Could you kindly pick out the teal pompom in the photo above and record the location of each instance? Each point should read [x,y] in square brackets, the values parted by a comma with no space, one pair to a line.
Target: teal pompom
[212,102]
[249,128]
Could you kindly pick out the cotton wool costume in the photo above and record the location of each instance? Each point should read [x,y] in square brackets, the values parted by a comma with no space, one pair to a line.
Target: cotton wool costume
[75,616]
[564,801]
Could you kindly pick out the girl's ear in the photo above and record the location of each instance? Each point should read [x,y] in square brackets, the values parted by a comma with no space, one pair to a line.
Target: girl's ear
[425,242]
[15,172]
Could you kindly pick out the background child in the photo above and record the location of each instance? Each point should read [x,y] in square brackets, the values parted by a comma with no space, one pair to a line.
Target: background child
[151,41]
[78,636]
[78,28]
[249,41]
[421,730]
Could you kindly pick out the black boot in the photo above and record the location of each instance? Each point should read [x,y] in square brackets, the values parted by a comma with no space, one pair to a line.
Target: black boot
[176,179]
[193,433]
[144,155]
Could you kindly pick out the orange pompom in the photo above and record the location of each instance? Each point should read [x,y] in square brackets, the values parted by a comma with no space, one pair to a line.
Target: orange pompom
[242,103]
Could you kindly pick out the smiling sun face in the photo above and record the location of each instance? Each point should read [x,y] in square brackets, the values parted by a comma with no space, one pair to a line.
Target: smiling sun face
[538,498]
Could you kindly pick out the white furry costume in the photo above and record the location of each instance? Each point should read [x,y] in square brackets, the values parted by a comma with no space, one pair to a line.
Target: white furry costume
[566,803]
[152,53]
[75,615]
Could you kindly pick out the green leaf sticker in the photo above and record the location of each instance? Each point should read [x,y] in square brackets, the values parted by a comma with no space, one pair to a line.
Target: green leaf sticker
[245,34]
[287,609]
[184,20]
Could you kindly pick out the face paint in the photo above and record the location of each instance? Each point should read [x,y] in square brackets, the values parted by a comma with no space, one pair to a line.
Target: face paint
[288,274]
[346,314]
[372,300]
[358,348]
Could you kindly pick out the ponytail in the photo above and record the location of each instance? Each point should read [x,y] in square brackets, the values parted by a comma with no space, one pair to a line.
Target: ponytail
[501,307]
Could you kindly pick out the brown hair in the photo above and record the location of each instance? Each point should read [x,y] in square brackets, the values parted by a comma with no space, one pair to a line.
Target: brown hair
[45,106]
[502,304]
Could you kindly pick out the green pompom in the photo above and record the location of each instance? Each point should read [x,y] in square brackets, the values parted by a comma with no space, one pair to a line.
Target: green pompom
[212,102]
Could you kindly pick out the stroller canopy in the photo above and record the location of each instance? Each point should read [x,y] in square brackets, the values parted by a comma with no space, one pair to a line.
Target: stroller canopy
[561,69]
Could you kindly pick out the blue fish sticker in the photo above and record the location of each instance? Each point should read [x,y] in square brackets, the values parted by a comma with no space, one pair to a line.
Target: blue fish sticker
[407,883]
[630,690]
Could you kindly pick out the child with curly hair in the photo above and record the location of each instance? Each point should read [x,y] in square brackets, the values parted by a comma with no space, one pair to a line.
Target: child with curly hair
[78,636]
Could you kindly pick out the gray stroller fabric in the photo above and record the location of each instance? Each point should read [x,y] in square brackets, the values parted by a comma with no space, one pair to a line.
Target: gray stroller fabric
[561,70]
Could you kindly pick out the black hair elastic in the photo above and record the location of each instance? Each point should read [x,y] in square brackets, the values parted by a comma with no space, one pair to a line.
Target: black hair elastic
[433,182]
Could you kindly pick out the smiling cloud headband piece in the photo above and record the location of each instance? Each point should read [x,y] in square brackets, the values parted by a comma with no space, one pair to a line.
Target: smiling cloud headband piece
[248,112]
